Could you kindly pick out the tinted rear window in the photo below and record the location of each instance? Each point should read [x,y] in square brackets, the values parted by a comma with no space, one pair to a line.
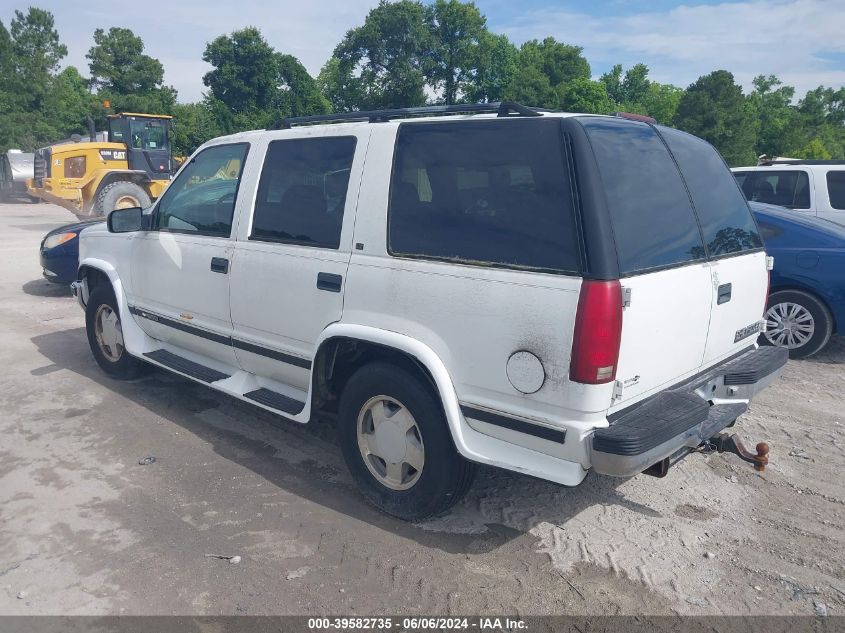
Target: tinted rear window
[653,221]
[483,192]
[723,213]
[836,189]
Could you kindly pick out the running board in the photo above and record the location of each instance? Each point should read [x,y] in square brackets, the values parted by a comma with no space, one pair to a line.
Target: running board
[276,400]
[185,366]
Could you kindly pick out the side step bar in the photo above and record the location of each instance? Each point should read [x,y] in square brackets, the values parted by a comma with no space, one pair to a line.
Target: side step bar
[276,400]
[185,366]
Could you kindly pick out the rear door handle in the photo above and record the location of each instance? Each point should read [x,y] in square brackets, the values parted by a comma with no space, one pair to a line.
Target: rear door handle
[724,294]
[219,265]
[329,282]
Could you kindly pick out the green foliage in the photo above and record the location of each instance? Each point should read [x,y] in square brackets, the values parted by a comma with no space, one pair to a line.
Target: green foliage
[456,29]
[118,64]
[543,70]
[253,86]
[815,149]
[384,61]
[715,109]
[585,95]
[406,53]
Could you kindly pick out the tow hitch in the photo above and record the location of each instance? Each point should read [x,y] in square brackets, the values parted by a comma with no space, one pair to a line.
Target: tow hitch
[725,443]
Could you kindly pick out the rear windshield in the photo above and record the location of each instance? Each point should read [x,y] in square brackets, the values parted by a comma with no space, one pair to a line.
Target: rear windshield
[653,221]
[483,193]
[723,213]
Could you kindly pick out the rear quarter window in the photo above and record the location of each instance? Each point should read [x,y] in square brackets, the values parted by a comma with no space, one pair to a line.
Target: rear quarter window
[726,221]
[836,189]
[483,193]
[653,221]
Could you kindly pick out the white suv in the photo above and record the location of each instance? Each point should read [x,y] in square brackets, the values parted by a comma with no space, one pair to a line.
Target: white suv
[816,187]
[547,293]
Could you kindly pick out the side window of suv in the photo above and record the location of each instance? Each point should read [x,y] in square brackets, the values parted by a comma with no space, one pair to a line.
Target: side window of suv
[785,188]
[202,198]
[723,213]
[302,191]
[836,189]
[483,193]
[653,221]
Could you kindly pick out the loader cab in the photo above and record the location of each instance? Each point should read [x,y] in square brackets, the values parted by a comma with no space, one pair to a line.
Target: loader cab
[147,140]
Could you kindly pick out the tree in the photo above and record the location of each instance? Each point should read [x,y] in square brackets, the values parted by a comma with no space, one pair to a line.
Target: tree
[780,130]
[715,109]
[815,149]
[118,64]
[543,70]
[245,70]
[585,95]
[384,58]
[36,53]
[456,29]
[253,86]
[495,66]
[193,125]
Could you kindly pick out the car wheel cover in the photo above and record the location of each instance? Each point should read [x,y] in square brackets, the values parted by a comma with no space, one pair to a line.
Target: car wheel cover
[789,325]
[390,443]
[108,333]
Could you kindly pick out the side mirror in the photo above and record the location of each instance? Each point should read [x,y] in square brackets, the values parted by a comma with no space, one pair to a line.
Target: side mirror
[125,220]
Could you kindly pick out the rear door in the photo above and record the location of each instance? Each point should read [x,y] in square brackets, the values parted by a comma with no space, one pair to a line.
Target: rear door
[732,241]
[291,258]
[662,260]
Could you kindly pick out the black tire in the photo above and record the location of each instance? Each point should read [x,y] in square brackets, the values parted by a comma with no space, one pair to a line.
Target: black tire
[110,195]
[125,367]
[445,476]
[822,322]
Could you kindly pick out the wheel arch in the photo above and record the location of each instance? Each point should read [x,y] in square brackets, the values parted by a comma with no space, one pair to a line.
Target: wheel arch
[343,348]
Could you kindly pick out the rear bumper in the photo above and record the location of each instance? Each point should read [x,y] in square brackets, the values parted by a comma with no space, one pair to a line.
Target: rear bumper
[679,419]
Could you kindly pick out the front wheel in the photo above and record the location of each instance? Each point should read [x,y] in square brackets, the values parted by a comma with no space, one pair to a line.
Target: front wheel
[120,195]
[797,321]
[105,336]
[397,445]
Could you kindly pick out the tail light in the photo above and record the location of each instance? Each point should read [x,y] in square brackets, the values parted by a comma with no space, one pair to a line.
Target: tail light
[598,333]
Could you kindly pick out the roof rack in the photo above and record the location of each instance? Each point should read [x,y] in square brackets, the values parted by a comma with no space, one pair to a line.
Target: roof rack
[503,109]
[797,161]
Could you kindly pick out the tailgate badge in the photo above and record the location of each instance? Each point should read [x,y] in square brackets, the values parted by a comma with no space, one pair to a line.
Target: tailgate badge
[748,330]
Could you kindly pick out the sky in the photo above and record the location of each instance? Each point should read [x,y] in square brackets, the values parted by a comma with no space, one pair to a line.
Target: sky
[800,41]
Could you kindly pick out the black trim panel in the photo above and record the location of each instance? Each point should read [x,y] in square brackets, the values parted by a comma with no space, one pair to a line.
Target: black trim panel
[296,361]
[179,325]
[513,424]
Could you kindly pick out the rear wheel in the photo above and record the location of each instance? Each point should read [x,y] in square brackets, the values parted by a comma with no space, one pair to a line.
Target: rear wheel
[397,445]
[121,195]
[797,321]
[105,336]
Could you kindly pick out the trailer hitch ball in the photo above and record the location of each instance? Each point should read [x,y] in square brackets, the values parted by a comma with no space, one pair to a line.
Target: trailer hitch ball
[725,443]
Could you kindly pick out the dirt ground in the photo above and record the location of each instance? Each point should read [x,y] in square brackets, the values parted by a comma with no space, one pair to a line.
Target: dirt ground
[85,529]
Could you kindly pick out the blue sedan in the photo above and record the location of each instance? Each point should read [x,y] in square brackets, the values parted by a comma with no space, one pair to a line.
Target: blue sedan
[60,252]
[807,295]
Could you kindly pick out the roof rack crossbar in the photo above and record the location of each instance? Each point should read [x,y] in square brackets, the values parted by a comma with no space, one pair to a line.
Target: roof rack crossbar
[799,161]
[503,109]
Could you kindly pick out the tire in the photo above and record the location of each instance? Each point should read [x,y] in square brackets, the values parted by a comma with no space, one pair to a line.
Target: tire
[444,476]
[112,357]
[798,321]
[122,194]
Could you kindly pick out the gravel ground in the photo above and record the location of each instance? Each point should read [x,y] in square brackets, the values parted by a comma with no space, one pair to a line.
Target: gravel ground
[85,529]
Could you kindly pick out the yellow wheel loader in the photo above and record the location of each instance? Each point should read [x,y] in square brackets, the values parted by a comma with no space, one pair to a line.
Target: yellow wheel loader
[131,168]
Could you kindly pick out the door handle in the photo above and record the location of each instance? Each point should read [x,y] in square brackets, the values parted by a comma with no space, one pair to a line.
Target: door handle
[329,282]
[219,265]
[724,294]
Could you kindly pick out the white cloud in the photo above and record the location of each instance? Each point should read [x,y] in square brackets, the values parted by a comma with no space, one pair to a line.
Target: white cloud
[787,38]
